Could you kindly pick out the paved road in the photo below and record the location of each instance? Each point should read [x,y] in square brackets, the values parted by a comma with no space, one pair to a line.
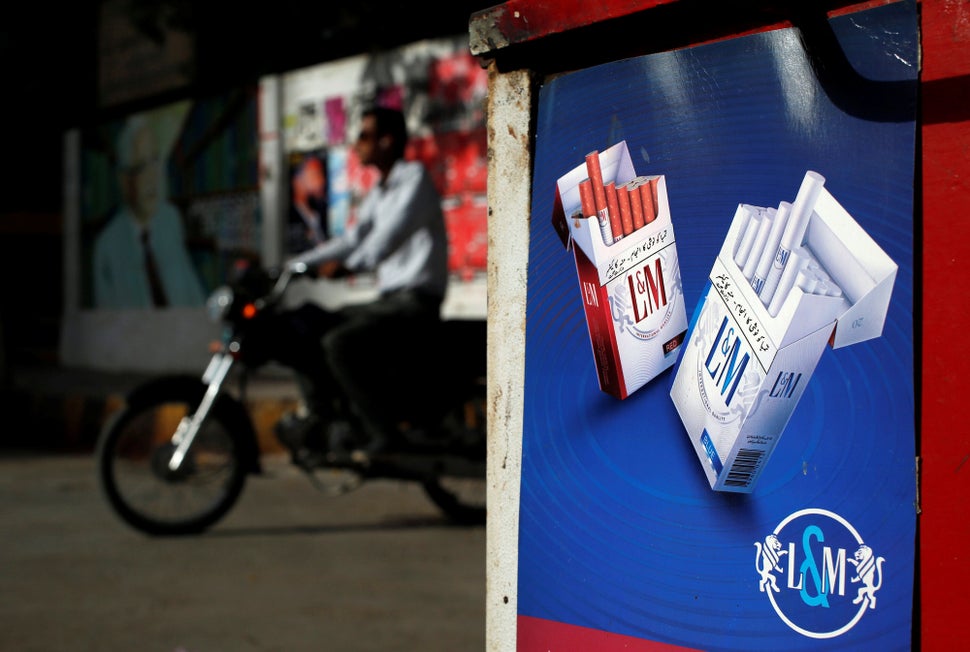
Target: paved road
[288,570]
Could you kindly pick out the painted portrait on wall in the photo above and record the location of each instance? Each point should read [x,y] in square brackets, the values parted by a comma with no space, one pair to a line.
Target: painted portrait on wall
[168,195]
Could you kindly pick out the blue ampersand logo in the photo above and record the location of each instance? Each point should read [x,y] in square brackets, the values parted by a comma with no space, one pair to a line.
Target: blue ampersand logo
[807,568]
[821,598]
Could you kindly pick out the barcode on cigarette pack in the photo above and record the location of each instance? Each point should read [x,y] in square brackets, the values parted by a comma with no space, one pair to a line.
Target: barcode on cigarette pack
[745,465]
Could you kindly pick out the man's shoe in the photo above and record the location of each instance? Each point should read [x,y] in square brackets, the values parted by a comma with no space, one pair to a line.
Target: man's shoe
[299,433]
[373,447]
[342,436]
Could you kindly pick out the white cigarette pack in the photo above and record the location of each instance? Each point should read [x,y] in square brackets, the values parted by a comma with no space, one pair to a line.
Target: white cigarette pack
[743,370]
[631,290]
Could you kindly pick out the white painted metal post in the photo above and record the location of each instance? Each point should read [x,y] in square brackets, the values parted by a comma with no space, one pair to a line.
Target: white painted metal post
[509,198]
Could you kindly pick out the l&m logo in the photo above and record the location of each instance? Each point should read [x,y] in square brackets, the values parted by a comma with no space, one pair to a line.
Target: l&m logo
[640,304]
[727,360]
[804,566]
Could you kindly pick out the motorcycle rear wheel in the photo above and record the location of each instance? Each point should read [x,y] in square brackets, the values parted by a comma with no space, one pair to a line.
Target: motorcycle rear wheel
[133,453]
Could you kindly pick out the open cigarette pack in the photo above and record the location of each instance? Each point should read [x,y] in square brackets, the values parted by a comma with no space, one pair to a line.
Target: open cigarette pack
[619,228]
[787,281]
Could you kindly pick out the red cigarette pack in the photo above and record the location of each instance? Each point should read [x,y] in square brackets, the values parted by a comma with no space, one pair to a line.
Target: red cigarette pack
[631,289]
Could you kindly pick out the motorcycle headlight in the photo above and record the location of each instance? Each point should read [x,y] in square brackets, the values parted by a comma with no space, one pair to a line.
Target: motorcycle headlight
[219,302]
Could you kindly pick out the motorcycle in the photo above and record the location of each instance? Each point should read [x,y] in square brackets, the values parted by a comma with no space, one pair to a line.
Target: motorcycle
[175,459]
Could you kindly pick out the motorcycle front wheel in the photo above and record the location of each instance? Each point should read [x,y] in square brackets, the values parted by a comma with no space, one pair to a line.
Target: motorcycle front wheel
[133,453]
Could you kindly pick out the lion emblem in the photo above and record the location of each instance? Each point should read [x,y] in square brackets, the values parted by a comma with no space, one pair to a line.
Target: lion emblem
[766,562]
[867,566]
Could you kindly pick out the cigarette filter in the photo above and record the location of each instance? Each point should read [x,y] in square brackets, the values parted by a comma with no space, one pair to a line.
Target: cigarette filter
[801,210]
[807,281]
[795,226]
[588,204]
[616,224]
[626,211]
[760,238]
[749,235]
[636,206]
[796,261]
[586,201]
[649,202]
[595,172]
[778,220]
[654,190]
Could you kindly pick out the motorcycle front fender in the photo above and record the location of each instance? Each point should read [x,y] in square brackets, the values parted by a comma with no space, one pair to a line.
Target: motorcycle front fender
[191,390]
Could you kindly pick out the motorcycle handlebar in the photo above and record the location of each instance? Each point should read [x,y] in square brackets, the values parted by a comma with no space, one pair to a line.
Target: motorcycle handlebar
[283,280]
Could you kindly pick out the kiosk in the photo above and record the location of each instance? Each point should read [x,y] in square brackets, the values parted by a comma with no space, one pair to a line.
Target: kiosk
[606,530]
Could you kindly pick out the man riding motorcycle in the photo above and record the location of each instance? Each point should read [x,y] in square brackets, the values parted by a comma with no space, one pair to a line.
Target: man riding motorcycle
[399,234]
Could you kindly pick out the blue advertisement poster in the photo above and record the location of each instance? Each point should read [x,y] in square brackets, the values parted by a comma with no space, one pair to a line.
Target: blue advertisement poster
[622,538]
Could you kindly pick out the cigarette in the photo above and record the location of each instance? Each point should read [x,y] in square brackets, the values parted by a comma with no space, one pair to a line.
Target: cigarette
[818,280]
[636,206]
[626,211]
[801,210]
[807,281]
[745,223]
[648,201]
[588,206]
[794,265]
[595,172]
[815,268]
[586,201]
[827,286]
[760,238]
[613,207]
[749,235]
[796,224]
[844,268]
[778,219]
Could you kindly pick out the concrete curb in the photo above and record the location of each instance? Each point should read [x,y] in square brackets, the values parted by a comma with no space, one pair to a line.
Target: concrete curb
[59,409]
